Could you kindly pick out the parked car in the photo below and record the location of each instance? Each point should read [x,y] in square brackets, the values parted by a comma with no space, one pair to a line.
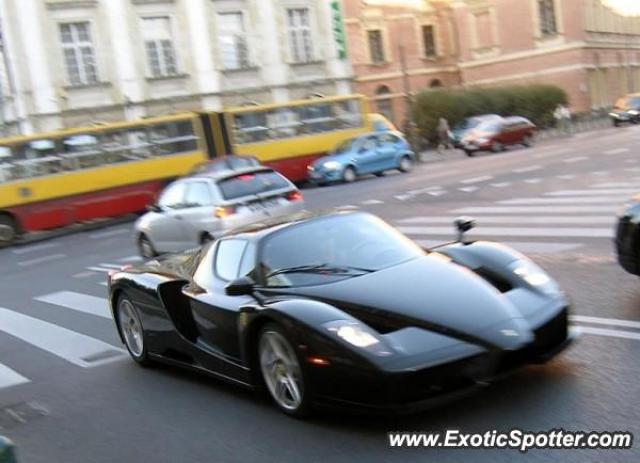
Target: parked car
[462,128]
[496,135]
[627,240]
[626,109]
[202,206]
[341,309]
[373,153]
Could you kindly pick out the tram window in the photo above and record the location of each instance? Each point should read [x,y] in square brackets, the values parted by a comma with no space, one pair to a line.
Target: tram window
[251,127]
[172,138]
[138,146]
[5,165]
[284,123]
[82,151]
[317,118]
[114,146]
[348,114]
[36,158]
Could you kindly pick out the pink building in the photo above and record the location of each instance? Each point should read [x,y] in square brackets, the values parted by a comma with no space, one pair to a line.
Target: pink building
[585,46]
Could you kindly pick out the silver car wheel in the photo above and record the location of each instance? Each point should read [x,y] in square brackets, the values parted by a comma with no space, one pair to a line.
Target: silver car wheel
[405,164]
[281,370]
[349,175]
[131,328]
[146,248]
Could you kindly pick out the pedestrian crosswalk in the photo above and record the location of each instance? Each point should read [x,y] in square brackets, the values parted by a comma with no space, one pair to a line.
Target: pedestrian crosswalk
[556,221]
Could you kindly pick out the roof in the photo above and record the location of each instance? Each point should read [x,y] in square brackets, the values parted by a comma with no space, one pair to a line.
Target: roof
[228,173]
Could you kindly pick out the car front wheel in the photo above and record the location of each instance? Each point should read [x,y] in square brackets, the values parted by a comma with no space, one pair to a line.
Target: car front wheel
[528,141]
[349,175]
[145,247]
[497,147]
[281,371]
[130,327]
[405,164]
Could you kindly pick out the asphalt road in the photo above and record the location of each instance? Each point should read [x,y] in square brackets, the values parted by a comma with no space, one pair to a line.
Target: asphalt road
[69,394]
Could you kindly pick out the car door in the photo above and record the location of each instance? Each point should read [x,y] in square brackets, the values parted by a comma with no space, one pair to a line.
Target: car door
[166,229]
[367,156]
[214,312]
[388,148]
[198,213]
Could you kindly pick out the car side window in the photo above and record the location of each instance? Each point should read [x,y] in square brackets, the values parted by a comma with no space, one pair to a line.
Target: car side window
[228,258]
[198,194]
[369,144]
[173,196]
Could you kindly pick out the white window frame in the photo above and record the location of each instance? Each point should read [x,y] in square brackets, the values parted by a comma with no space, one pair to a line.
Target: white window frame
[248,63]
[77,46]
[305,54]
[165,68]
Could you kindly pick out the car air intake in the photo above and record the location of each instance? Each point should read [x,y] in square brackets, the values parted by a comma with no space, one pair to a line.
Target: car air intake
[497,281]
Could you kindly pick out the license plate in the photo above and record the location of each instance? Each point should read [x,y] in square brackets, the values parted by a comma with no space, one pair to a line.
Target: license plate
[256,207]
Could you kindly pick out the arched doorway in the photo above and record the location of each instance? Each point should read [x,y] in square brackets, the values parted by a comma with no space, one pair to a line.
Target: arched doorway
[384,104]
[435,83]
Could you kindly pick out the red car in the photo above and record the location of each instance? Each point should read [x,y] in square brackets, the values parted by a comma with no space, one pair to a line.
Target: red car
[497,135]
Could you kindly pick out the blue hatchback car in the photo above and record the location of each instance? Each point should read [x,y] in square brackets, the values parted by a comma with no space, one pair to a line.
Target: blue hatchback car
[372,153]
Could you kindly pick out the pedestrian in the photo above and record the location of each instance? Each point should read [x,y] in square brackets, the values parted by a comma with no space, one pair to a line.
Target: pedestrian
[562,116]
[444,140]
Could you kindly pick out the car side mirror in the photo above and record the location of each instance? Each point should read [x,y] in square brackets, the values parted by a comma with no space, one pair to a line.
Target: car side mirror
[153,208]
[240,287]
[463,225]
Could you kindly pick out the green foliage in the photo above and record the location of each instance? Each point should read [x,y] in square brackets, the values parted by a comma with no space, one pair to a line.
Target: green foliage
[535,102]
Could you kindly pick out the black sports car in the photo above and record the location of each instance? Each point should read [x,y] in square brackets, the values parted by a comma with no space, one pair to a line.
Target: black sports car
[627,239]
[339,308]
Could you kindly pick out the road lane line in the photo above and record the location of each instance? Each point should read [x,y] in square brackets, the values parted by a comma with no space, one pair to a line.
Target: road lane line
[34,248]
[537,209]
[616,151]
[106,270]
[522,170]
[520,219]
[521,246]
[593,192]
[635,185]
[606,321]
[436,193]
[69,345]
[468,189]
[371,202]
[39,260]
[80,302]
[609,333]
[111,266]
[8,377]
[566,176]
[501,184]
[483,178]
[557,232]
[403,197]
[578,200]
[533,180]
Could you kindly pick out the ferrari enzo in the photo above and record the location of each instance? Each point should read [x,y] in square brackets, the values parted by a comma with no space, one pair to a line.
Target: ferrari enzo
[340,309]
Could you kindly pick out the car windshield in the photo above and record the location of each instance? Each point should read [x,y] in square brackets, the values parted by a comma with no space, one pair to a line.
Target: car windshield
[251,184]
[627,102]
[332,248]
[489,126]
[344,146]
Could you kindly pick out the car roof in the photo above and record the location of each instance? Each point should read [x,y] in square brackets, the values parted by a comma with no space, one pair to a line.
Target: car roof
[228,173]
[516,119]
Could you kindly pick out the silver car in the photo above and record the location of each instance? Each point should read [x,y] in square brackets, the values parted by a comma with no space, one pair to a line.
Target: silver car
[204,205]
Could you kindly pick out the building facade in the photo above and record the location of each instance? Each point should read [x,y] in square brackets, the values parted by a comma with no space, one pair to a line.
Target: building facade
[586,47]
[77,62]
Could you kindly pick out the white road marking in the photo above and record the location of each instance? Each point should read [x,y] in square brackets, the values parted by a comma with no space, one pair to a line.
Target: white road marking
[108,233]
[483,178]
[111,266]
[103,283]
[371,202]
[520,219]
[600,172]
[618,185]
[605,321]
[130,259]
[80,302]
[84,274]
[574,159]
[566,176]
[522,170]
[501,184]
[537,209]
[39,260]
[436,193]
[558,232]
[8,377]
[101,269]
[616,151]
[403,197]
[603,191]
[533,180]
[521,246]
[561,200]
[69,345]
[34,248]
[609,333]
[468,189]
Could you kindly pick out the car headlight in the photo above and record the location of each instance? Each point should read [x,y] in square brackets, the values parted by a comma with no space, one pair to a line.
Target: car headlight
[331,165]
[633,112]
[358,335]
[534,276]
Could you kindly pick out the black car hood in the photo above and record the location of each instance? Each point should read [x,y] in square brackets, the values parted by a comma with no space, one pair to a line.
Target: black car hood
[426,292]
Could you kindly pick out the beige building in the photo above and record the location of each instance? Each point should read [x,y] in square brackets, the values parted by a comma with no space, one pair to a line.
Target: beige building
[585,46]
[77,62]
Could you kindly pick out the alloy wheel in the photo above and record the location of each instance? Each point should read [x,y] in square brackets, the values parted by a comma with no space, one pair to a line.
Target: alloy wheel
[281,371]
[131,328]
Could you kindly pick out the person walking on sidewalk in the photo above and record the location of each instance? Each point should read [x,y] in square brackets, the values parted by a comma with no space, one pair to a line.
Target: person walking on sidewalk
[563,118]
[444,141]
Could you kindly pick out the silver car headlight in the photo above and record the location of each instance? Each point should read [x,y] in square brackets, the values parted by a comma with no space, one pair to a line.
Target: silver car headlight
[331,165]
[532,274]
[358,335]
[633,112]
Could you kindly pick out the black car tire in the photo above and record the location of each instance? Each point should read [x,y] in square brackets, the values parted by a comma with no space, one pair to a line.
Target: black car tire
[145,247]
[497,147]
[616,123]
[380,174]
[405,165]
[300,406]
[349,175]
[469,153]
[206,238]
[131,330]
[8,230]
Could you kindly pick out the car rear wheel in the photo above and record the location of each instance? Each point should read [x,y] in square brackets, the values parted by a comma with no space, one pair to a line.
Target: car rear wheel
[145,247]
[281,371]
[616,123]
[527,141]
[130,328]
[468,153]
[349,175]
[379,174]
[405,164]
[497,147]
[8,230]
[206,238]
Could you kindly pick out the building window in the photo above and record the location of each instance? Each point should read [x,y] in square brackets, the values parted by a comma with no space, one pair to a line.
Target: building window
[429,41]
[299,24]
[547,15]
[79,57]
[161,57]
[384,103]
[234,49]
[376,46]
